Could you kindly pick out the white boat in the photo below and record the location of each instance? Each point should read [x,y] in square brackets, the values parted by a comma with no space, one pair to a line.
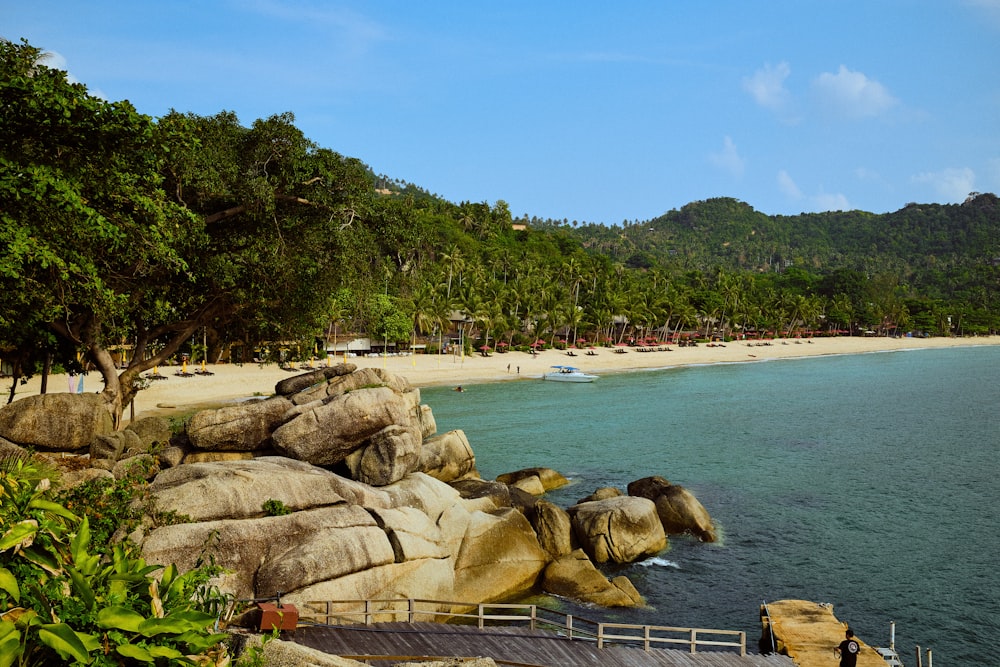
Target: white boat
[568,374]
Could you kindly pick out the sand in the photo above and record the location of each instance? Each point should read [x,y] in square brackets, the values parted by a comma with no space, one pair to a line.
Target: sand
[177,395]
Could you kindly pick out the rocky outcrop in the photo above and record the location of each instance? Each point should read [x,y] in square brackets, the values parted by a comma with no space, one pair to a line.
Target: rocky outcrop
[239,428]
[535,481]
[327,433]
[574,576]
[553,527]
[679,511]
[56,422]
[448,457]
[619,530]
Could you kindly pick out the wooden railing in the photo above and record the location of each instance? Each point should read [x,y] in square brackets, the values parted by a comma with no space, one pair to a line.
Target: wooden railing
[369,612]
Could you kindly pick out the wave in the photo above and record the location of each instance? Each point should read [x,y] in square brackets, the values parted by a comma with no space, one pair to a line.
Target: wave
[661,562]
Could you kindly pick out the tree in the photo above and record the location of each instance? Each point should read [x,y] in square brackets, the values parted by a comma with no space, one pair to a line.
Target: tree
[118,228]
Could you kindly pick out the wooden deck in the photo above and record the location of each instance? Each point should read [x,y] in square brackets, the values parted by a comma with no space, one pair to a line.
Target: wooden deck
[522,647]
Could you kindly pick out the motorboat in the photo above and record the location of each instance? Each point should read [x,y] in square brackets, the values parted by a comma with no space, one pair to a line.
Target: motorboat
[568,374]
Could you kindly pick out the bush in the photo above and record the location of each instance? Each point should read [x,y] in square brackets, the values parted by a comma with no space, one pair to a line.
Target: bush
[64,599]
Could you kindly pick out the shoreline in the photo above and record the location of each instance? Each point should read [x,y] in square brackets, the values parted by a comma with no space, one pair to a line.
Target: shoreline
[229,383]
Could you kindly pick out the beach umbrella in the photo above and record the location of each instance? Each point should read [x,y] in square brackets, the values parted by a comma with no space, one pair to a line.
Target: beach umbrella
[485,348]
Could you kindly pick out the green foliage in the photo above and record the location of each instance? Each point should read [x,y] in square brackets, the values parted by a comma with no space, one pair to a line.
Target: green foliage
[64,598]
[274,507]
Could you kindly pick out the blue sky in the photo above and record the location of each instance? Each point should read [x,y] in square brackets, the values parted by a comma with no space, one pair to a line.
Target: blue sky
[588,111]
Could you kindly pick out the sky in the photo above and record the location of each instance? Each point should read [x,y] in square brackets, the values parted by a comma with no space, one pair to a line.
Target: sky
[585,111]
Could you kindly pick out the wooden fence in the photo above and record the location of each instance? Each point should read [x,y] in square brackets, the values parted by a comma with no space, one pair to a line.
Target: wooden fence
[369,612]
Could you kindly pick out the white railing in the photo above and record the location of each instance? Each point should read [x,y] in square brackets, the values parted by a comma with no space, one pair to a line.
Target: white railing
[369,612]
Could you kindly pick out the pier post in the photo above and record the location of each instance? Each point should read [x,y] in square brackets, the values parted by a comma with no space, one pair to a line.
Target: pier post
[920,658]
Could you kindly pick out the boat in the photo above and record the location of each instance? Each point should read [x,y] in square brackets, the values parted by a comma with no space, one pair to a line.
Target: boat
[568,374]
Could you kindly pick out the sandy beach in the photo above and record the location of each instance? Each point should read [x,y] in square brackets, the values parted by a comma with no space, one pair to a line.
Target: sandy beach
[176,394]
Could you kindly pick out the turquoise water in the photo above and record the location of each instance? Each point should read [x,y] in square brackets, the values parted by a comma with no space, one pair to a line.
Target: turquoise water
[866,481]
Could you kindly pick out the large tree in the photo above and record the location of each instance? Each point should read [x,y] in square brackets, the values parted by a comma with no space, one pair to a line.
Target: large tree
[117,228]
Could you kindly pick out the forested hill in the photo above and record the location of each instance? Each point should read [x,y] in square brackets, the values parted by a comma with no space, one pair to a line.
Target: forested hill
[923,243]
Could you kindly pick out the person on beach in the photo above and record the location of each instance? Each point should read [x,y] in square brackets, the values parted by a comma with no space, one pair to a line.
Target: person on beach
[848,650]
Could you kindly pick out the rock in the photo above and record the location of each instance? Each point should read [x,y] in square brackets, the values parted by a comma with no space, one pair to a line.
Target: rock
[679,511]
[153,432]
[393,453]
[500,557]
[209,457]
[268,554]
[574,576]
[531,485]
[498,493]
[548,479]
[238,489]
[326,434]
[244,427]
[620,530]
[56,422]
[448,457]
[553,527]
[171,456]
[297,383]
[115,445]
[143,465]
[428,425]
[279,653]
[10,449]
[602,493]
[70,479]
[366,378]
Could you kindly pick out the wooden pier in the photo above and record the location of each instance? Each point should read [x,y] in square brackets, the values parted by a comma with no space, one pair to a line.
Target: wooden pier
[808,631]
[384,632]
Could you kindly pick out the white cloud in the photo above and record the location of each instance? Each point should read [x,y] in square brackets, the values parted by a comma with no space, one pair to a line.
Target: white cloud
[832,201]
[821,202]
[729,158]
[787,186]
[954,184]
[767,86]
[853,94]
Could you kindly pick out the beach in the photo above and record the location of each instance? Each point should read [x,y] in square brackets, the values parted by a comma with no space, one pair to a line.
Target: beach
[231,382]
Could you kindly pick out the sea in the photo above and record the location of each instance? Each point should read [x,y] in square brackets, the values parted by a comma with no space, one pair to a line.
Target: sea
[870,482]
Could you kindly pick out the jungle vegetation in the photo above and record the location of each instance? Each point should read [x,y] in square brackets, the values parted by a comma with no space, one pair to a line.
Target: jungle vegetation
[202,235]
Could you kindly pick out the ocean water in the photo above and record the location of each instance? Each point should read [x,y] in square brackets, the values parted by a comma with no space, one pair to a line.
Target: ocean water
[866,481]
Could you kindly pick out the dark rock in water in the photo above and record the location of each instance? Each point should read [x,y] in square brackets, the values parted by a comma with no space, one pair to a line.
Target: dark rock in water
[56,422]
[297,383]
[679,511]
[239,428]
[602,493]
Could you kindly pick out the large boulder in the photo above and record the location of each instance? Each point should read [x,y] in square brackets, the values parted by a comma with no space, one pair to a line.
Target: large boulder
[238,489]
[244,427]
[679,510]
[287,553]
[553,527]
[114,446]
[365,378]
[500,557]
[327,433]
[545,479]
[391,454]
[56,422]
[574,576]
[448,457]
[620,530]
[303,381]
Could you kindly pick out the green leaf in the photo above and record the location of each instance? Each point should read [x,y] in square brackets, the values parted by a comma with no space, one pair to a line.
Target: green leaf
[64,641]
[43,559]
[54,508]
[119,618]
[78,547]
[135,652]
[159,626]
[8,583]
[198,643]
[10,643]
[164,652]
[82,587]
[17,533]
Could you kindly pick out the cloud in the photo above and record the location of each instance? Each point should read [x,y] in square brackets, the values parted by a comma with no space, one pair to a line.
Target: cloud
[729,158]
[954,184]
[767,86]
[823,201]
[787,186]
[852,94]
